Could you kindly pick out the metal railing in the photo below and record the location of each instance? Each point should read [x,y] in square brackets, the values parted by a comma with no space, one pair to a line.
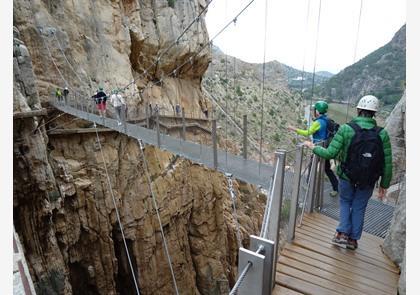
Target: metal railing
[156,118]
[257,265]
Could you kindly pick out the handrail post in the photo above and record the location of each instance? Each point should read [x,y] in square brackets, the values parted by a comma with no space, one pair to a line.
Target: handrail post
[295,194]
[320,187]
[157,128]
[214,141]
[124,115]
[245,140]
[147,117]
[312,182]
[275,209]
[183,124]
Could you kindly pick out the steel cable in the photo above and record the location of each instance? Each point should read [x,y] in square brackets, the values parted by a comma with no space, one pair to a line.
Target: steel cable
[149,180]
[116,212]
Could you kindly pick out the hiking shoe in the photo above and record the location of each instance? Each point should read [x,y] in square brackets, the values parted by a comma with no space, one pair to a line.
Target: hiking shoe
[351,244]
[333,194]
[340,238]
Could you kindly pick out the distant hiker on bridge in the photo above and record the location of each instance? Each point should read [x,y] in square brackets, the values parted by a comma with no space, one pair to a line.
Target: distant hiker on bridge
[156,110]
[150,109]
[66,93]
[364,152]
[119,104]
[100,101]
[319,130]
[206,112]
[178,109]
[58,95]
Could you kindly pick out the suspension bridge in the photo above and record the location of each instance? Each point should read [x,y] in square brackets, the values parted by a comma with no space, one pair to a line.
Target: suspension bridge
[307,263]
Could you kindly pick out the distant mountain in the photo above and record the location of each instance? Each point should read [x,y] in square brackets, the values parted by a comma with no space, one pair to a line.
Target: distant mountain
[324,74]
[381,73]
[294,78]
[290,75]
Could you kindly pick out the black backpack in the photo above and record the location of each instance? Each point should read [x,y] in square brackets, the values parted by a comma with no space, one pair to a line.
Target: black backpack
[332,128]
[365,157]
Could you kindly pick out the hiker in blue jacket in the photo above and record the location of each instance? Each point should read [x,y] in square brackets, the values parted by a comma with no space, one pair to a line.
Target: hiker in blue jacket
[319,132]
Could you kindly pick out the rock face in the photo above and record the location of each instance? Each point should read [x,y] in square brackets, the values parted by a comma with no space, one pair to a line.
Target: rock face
[395,241]
[65,186]
[88,44]
[395,125]
[34,183]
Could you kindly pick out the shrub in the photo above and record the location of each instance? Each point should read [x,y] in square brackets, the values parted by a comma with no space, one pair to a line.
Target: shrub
[239,91]
[171,3]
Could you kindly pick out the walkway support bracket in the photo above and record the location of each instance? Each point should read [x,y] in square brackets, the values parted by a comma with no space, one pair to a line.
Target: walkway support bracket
[295,193]
[258,277]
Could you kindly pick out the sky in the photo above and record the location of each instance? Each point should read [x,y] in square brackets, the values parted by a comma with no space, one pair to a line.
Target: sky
[291,35]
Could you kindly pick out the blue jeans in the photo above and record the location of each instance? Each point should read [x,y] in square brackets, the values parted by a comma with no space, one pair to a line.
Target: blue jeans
[353,202]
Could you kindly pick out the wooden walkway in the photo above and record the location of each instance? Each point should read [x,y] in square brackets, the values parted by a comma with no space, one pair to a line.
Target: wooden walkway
[313,265]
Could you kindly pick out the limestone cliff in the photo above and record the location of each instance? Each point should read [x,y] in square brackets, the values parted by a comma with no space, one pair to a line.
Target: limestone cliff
[63,208]
[395,241]
[86,44]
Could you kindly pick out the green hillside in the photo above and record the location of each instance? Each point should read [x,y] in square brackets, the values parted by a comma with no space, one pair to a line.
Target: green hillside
[381,73]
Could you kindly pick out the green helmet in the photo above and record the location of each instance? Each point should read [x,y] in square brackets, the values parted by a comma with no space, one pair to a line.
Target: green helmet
[101,88]
[321,106]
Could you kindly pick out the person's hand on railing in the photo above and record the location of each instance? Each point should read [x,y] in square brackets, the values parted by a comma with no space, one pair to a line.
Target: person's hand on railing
[381,193]
[308,144]
[291,128]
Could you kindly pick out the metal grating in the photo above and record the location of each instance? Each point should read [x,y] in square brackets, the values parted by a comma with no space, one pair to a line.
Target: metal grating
[377,217]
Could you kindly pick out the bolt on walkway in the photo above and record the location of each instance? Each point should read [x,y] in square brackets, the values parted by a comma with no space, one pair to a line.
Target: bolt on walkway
[310,264]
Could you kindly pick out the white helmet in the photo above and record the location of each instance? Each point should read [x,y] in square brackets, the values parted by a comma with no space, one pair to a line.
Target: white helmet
[368,102]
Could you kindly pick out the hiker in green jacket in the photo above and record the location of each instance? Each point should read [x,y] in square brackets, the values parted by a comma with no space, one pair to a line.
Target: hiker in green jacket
[58,95]
[364,154]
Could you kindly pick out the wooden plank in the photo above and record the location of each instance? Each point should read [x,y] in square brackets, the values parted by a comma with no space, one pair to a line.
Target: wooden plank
[352,258]
[282,290]
[314,279]
[363,242]
[327,235]
[331,276]
[186,118]
[326,219]
[380,257]
[78,131]
[29,114]
[298,285]
[371,272]
[372,248]
[320,223]
[341,270]
[350,253]
[330,232]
